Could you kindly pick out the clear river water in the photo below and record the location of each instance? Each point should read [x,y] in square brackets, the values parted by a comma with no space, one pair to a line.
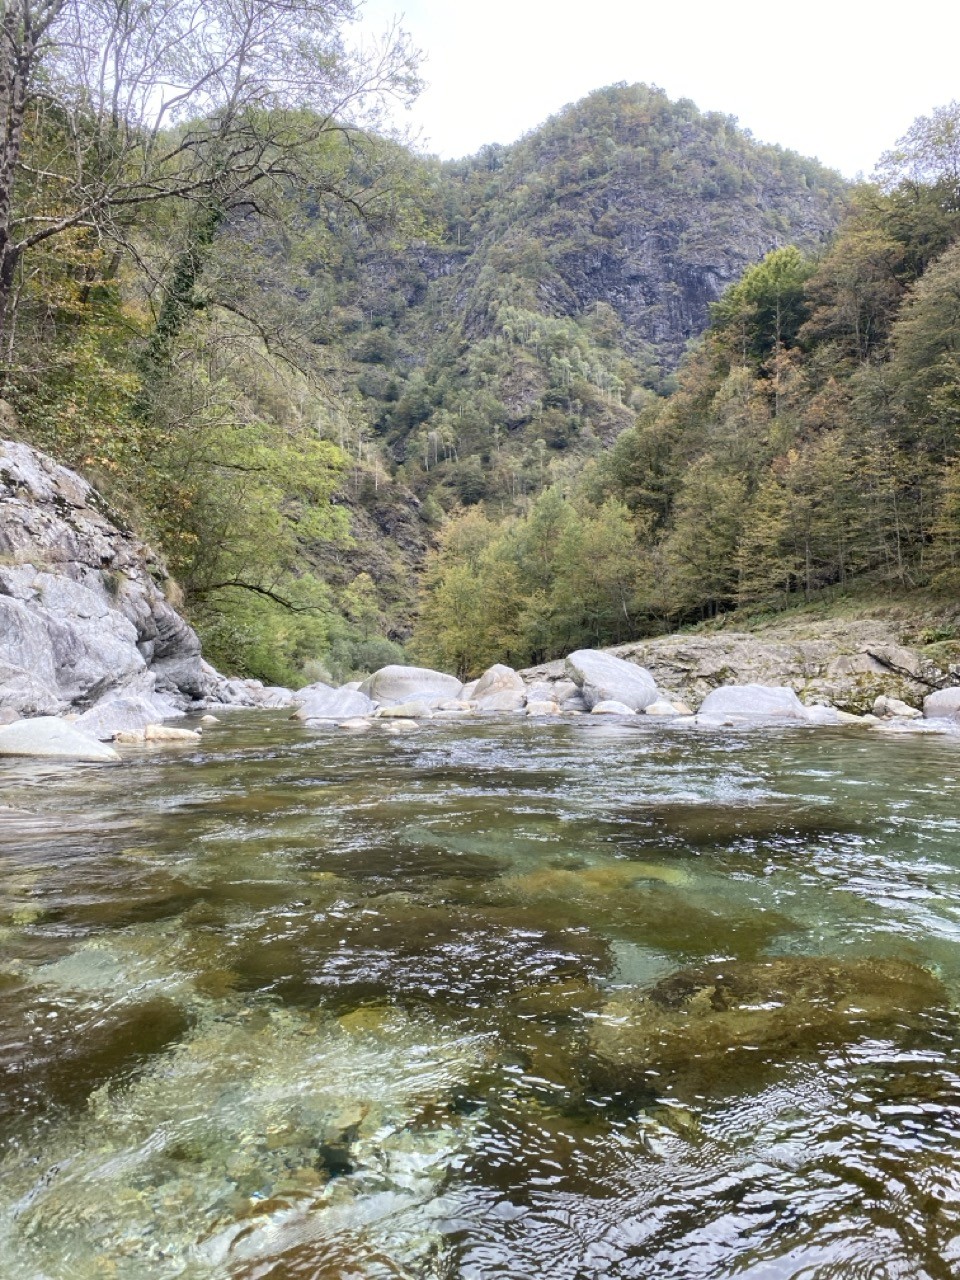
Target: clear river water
[497,999]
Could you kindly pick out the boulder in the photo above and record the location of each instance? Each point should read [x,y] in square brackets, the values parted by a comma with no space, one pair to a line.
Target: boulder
[320,702]
[392,685]
[601,677]
[610,707]
[356,724]
[130,714]
[48,737]
[819,714]
[497,679]
[468,690]
[943,704]
[8,715]
[455,704]
[505,700]
[500,688]
[885,706]
[542,707]
[752,700]
[400,726]
[663,708]
[276,697]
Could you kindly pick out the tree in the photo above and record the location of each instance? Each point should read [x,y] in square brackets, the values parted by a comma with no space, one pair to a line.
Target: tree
[928,155]
[212,103]
[766,307]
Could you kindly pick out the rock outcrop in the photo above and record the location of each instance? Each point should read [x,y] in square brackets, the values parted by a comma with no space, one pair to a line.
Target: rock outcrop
[83,611]
[847,663]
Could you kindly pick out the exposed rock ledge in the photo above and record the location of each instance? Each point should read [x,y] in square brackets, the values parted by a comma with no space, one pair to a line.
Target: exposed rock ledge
[838,662]
[82,606]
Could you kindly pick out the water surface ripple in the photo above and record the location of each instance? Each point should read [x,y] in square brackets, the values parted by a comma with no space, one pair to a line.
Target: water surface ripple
[493,1001]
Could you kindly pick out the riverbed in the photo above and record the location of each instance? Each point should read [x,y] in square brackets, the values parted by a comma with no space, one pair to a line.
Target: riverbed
[469,1003]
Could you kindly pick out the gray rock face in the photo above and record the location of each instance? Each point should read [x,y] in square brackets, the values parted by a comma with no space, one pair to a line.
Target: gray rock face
[602,677]
[48,737]
[394,684]
[943,704]
[81,612]
[754,700]
[320,702]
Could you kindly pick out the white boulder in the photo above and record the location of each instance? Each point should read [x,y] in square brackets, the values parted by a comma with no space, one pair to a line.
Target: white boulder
[750,700]
[886,707]
[48,737]
[320,702]
[610,707]
[943,704]
[392,685]
[601,677]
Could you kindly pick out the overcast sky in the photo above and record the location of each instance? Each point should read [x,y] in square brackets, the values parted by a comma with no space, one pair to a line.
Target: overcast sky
[837,79]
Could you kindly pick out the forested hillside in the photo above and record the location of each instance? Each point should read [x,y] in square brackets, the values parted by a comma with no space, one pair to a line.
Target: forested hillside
[350,391]
[811,442]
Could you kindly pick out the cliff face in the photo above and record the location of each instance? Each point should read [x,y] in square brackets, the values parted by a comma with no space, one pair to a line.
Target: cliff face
[81,609]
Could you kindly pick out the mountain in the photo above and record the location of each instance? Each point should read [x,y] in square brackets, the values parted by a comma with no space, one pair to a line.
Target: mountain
[566,277]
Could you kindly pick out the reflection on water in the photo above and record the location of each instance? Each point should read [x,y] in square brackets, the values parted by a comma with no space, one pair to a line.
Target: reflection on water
[495,1000]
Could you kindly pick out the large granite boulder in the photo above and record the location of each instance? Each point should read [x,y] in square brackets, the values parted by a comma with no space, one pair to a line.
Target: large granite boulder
[942,705]
[395,684]
[601,677]
[82,603]
[752,700]
[321,702]
[50,738]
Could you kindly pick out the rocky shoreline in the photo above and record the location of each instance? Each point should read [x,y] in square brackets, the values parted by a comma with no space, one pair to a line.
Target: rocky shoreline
[93,651]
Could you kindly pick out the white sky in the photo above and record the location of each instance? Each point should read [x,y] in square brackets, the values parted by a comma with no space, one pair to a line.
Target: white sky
[837,79]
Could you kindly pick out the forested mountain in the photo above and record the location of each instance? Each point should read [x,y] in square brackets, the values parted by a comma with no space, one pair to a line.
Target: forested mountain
[565,276]
[812,441]
[630,371]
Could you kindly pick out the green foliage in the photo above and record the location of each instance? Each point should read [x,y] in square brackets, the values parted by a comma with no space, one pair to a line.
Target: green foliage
[766,307]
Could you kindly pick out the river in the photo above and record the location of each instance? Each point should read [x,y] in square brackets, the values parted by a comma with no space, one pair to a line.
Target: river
[497,1000]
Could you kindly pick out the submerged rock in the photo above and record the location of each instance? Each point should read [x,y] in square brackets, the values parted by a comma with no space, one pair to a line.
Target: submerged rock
[48,737]
[601,677]
[708,1026]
